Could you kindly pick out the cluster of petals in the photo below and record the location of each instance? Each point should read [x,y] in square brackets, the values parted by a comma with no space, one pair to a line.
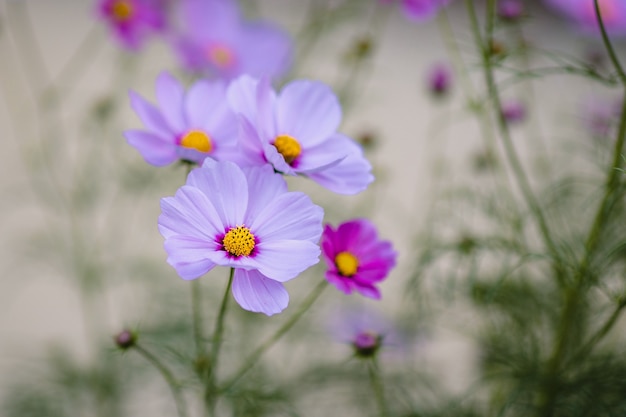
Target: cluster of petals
[420,10]
[132,22]
[188,125]
[214,39]
[295,131]
[244,219]
[357,259]
[583,14]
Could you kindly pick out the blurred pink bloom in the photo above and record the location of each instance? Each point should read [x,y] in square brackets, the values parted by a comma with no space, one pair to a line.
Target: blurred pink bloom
[420,10]
[439,79]
[133,21]
[583,14]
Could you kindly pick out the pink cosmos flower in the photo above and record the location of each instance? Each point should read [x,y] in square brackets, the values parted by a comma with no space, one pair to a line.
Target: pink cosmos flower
[216,40]
[188,126]
[420,10]
[439,79]
[243,219]
[295,131]
[583,14]
[514,111]
[132,21]
[357,260]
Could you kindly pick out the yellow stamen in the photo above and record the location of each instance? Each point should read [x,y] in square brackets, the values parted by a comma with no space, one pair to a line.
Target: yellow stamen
[288,147]
[221,56]
[346,263]
[122,10]
[198,140]
[239,241]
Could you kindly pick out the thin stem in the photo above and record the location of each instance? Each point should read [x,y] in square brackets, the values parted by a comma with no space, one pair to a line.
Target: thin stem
[377,387]
[608,45]
[259,351]
[216,343]
[168,376]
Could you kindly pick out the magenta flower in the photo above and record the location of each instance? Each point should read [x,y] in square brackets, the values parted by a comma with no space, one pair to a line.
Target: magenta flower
[216,40]
[420,10]
[132,21]
[513,111]
[439,79]
[510,10]
[583,14]
[357,260]
[243,219]
[295,132]
[188,126]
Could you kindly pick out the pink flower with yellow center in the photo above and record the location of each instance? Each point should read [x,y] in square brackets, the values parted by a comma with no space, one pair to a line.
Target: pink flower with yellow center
[295,131]
[357,260]
[583,14]
[216,40]
[133,21]
[189,126]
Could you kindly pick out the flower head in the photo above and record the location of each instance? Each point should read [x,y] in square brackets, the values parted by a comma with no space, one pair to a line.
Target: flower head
[420,10]
[439,79]
[295,132]
[189,126]
[216,40]
[132,21]
[243,219]
[583,14]
[357,260]
[510,10]
[513,111]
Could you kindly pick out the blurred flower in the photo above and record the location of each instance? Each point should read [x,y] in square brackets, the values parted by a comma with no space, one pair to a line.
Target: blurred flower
[132,21]
[600,115]
[295,132]
[510,10]
[357,260]
[513,111]
[125,339]
[366,331]
[216,40]
[243,219]
[439,79]
[583,14]
[420,10]
[188,126]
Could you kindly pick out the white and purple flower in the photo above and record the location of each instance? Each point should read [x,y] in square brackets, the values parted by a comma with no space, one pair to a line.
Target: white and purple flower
[133,21]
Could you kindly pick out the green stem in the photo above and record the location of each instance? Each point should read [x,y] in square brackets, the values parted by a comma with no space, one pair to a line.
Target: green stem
[377,387]
[608,45]
[216,343]
[168,376]
[259,351]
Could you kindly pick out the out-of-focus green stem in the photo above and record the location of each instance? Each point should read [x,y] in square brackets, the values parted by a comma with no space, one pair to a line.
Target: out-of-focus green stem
[378,387]
[168,376]
[259,351]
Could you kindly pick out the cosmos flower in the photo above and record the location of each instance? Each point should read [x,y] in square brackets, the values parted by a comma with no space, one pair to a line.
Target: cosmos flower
[439,79]
[295,132]
[364,329]
[514,111]
[420,10]
[216,40]
[133,21]
[246,220]
[188,126]
[357,260]
[510,10]
[583,14]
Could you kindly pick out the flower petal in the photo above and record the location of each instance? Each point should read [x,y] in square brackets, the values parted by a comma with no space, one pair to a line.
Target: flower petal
[188,256]
[309,111]
[285,259]
[149,115]
[154,149]
[257,293]
[265,186]
[226,187]
[265,50]
[170,94]
[326,154]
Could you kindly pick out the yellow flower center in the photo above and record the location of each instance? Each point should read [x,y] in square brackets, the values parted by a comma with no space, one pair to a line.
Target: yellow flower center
[239,241]
[221,56]
[346,263]
[288,147]
[198,140]
[122,10]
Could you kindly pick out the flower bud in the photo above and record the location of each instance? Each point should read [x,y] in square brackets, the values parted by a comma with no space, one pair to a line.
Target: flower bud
[125,339]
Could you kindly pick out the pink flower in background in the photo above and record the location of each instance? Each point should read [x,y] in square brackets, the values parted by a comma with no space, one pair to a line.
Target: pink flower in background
[513,111]
[439,79]
[133,21]
[295,131]
[420,10]
[215,39]
[246,220]
[583,14]
[188,126]
[510,10]
[357,260]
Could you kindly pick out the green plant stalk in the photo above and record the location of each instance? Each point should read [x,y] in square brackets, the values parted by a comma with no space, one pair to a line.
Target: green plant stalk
[168,376]
[211,393]
[378,387]
[265,346]
[575,293]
